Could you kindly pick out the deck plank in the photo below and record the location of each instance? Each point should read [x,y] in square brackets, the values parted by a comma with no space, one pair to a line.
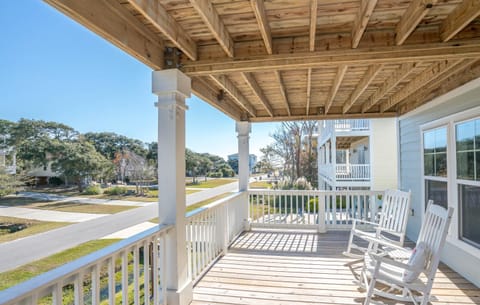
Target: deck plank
[266,267]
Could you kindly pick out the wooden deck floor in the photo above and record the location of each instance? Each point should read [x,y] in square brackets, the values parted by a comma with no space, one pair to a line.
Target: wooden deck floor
[294,268]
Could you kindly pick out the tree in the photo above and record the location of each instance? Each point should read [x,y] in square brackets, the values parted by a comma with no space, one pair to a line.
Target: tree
[78,160]
[109,143]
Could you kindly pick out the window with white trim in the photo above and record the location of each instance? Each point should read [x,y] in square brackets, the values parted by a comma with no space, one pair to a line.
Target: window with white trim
[467,148]
[435,165]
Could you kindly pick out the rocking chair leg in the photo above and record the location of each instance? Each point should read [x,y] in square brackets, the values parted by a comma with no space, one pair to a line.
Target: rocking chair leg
[350,240]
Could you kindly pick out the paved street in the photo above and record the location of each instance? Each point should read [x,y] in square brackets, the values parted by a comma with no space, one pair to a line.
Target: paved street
[28,249]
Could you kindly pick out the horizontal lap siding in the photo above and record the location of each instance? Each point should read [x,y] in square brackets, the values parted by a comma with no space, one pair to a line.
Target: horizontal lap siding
[411,167]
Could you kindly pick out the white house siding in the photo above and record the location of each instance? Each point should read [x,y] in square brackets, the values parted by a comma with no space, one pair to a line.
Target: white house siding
[465,262]
[384,163]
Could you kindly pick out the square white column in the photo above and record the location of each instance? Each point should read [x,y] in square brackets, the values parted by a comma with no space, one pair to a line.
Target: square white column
[172,87]
[243,131]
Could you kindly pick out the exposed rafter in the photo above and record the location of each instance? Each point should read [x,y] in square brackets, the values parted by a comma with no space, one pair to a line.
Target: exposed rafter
[309,89]
[411,18]
[201,89]
[230,88]
[313,23]
[398,76]
[283,92]
[110,20]
[156,14]
[361,86]
[391,55]
[252,83]
[461,16]
[211,18]
[420,81]
[259,9]
[332,116]
[361,20]
[461,74]
[336,84]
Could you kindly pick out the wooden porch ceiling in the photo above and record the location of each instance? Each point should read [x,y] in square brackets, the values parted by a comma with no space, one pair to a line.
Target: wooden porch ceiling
[272,60]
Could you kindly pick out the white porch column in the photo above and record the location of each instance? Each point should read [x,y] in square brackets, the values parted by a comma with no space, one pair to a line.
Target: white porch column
[243,130]
[172,87]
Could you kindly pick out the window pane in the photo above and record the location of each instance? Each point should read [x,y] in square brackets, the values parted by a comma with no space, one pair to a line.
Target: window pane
[477,167]
[470,214]
[465,135]
[429,142]
[441,140]
[465,165]
[429,165]
[441,164]
[436,191]
[477,134]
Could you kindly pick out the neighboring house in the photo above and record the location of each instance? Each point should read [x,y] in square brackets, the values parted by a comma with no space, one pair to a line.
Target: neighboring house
[357,154]
[440,159]
[42,174]
[252,160]
[8,160]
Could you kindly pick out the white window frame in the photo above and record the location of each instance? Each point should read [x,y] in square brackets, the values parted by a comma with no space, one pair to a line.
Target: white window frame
[452,182]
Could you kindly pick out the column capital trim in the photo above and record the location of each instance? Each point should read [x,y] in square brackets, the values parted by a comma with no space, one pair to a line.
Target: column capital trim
[243,128]
[166,82]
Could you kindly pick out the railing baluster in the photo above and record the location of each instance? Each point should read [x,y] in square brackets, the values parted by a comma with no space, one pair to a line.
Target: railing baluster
[111,280]
[125,277]
[146,272]
[136,275]
[96,285]
[163,267]
[57,294]
[155,265]
[78,289]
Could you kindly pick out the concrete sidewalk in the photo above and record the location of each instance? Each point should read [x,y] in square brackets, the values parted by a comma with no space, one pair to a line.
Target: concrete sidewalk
[61,198]
[47,215]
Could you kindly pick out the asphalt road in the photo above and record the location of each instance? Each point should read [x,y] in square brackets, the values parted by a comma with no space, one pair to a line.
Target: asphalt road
[22,251]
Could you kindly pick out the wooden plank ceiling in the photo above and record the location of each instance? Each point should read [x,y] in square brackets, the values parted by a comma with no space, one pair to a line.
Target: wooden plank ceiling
[277,60]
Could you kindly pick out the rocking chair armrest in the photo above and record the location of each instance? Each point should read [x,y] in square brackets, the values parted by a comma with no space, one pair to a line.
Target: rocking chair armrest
[385,243]
[380,259]
[355,220]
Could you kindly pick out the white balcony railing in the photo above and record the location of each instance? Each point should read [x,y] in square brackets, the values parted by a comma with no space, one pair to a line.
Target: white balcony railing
[352,125]
[311,209]
[352,172]
[133,271]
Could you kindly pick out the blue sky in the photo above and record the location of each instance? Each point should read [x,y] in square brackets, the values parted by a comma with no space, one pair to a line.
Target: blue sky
[53,69]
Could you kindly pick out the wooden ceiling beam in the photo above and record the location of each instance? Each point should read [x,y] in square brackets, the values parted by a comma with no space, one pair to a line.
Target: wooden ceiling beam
[305,60]
[215,24]
[156,14]
[283,92]
[419,82]
[201,88]
[112,21]
[464,72]
[252,83]
[237,96]
[367,78]
[309,90]
[397,77]
[459,18]
[313,23]
[332,116]
[361,20]
[411,18]
[336,84]
[259,9]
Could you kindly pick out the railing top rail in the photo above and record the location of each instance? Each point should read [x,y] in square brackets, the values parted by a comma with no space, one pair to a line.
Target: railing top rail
[315,192]
[212,205]
[66,271]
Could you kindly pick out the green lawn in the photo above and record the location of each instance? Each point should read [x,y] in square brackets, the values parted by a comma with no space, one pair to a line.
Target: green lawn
[63,206]
[260,185]
[33,227]
[212,183]
[25,272]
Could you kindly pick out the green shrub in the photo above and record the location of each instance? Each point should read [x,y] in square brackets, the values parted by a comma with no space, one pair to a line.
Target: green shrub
[215,174]
[92,190]
[116,190]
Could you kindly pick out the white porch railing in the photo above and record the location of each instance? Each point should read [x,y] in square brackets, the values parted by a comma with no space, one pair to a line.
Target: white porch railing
[352,172]
[130,271]
[320,210]
[352,125]
[210,230]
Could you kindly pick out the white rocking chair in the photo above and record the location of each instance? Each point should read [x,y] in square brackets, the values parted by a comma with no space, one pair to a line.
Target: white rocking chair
[405,279]
[391,225]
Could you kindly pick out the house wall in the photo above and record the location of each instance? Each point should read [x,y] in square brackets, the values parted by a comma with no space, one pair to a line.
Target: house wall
[462,258]
[356,149]
[383,143]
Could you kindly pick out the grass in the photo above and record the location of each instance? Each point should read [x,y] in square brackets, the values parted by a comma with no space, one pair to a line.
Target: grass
[260,185]
[33,227]
[63,206]
[211,183]
[25,272]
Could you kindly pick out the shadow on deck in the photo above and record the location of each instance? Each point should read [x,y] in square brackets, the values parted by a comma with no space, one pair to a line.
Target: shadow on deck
[266,267]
